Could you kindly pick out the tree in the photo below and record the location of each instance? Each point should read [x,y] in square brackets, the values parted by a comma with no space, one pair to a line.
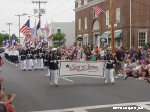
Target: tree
[2,38]
[59,39]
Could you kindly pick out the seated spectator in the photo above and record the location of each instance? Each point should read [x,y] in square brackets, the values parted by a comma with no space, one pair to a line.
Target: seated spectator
[1,61]
[136,73]
[145,68]
[146,75]
[7,100]
[129,68]
[3,108]
[1,80]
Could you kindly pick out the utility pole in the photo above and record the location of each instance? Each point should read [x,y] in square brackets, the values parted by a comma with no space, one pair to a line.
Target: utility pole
[9,24]
[112,27]
[39,11]
[19,23]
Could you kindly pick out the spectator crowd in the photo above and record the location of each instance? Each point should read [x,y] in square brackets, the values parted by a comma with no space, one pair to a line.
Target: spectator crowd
[134,62]
[5,99]
[128,63]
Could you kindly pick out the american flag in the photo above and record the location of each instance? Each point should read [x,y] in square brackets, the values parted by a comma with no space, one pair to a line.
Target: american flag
[46,29]
[97,9]
[25,29]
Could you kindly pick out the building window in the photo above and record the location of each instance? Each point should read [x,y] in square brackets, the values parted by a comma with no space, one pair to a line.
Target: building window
[94,14]
[79,23]
[85,19]
[58,30]
[117,15]
[79,3]
[85,2]
[85,39]
[142,38]
[118,42]
[107,17]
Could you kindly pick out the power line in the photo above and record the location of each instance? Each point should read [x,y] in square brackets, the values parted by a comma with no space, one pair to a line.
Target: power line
[59,6]
[40,11]
[58,14]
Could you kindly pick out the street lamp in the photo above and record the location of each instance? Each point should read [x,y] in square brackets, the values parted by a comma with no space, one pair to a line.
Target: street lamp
[19,15]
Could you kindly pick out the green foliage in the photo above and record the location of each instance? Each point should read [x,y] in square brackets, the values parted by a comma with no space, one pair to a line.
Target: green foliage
[2,38]
[147,44]
[59,39]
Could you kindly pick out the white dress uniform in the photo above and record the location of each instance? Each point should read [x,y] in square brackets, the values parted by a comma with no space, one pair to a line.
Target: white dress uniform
[35,63]
[6,53]
[10,56]
[16,57]
[46,63]
[40,59]
[23,59]
[28,60]
[109,70]
[54,70]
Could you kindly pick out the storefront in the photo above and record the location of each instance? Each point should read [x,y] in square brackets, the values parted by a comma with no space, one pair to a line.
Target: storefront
[105,38]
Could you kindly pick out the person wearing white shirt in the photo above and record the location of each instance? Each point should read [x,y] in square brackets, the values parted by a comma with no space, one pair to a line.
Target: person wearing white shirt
[102,54]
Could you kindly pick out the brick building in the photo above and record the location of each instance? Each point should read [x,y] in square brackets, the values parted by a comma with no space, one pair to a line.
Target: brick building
[131,18]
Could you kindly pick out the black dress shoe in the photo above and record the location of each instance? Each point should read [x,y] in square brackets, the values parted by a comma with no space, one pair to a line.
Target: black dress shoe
[56,85]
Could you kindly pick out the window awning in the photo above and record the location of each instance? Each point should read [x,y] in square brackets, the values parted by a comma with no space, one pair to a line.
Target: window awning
[106,34]
[117,34]
[79,38]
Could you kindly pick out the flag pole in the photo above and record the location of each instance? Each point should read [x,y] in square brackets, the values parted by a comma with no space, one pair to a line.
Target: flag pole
[112,26]
[35,35]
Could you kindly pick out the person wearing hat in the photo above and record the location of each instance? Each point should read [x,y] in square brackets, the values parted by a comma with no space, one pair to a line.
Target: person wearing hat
[53,67]
[109,66]
[28,59]
[16,56]
[40,62]
[35,56]
[23,58]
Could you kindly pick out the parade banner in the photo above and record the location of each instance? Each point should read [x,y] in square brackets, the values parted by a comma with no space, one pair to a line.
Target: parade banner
[88,68]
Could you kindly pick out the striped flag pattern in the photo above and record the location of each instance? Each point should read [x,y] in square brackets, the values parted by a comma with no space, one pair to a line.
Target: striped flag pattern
[25,29]
[97,9]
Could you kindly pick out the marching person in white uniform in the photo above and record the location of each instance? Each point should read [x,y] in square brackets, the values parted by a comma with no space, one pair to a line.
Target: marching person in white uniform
[53,66]
[35,55]
[15,56]
[109,67]
[28,60]
[46,63]
[40,58]
[23,59]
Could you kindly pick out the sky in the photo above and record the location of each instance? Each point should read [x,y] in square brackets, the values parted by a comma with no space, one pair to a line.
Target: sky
[56,11]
